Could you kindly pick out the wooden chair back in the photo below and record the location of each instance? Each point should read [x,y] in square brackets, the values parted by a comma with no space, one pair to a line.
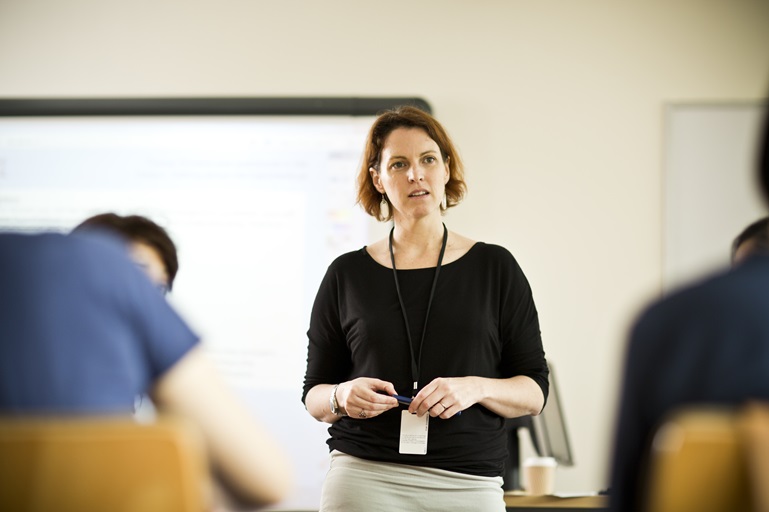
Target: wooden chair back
[698,463]
[101,464]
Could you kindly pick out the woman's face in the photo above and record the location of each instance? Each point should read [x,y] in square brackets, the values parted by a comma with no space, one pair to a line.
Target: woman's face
[149,260]
[412,173]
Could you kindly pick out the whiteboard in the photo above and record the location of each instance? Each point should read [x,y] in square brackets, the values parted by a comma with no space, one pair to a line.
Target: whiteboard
[710,185]
[259,197]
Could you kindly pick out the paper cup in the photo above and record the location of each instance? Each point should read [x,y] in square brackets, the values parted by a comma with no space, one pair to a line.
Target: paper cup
[539,475]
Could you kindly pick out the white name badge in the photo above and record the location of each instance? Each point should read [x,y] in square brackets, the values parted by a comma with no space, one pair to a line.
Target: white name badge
[413,433]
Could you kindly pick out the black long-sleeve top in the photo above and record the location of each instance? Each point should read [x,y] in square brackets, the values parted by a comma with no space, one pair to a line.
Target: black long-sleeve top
[482,322]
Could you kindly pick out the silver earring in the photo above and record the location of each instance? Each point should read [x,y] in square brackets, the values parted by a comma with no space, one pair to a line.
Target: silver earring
[444,205]
[384,207]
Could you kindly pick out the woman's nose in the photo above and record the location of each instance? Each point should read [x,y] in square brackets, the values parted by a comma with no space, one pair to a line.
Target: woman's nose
[416,174]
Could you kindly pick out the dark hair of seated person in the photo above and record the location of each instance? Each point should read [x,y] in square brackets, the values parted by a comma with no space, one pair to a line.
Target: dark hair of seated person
[136,228]
[753,239]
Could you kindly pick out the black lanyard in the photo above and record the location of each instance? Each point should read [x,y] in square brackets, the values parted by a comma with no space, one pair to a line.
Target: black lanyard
[415,362]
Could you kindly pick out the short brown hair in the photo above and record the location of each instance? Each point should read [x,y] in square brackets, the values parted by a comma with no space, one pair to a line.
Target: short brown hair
[406,117]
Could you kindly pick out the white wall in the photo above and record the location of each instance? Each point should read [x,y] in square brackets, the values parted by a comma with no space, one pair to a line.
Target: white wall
[557,108]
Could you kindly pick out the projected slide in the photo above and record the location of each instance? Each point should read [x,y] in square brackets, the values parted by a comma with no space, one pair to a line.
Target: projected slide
[258,207]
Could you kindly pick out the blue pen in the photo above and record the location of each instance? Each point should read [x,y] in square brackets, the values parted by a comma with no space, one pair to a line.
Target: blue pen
[402,399]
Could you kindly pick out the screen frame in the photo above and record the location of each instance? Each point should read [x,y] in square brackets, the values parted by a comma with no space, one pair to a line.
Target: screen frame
[268,106]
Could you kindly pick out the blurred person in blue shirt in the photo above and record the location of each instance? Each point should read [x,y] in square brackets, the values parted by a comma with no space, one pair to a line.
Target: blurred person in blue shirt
[706,344]
[83,331]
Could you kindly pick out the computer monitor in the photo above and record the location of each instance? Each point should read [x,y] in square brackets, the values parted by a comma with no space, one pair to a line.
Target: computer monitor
[548,434]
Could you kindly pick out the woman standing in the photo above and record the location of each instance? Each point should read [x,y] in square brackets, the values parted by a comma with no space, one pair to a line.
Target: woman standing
[430,314]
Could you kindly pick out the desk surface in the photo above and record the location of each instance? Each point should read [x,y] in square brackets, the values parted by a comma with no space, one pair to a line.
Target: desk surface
[517,501]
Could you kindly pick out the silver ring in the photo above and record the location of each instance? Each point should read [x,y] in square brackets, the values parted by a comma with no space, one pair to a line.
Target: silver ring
[362,414]
[443,405]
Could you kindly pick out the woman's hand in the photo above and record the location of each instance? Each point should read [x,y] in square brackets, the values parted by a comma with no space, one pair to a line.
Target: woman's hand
[365,397]
[445,397]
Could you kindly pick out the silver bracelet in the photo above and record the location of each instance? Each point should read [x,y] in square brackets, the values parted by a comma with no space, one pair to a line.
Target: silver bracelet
[335,409]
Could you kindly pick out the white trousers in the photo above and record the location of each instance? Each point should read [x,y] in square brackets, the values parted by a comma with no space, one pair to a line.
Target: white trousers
[357,485]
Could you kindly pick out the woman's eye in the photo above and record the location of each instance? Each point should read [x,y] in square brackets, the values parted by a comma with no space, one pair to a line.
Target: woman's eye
[397,165]
[430,159]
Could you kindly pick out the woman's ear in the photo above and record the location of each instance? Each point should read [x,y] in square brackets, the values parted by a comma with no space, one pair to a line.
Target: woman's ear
[447,178]
[375,180]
